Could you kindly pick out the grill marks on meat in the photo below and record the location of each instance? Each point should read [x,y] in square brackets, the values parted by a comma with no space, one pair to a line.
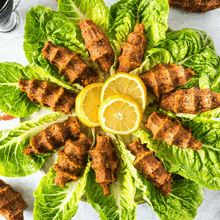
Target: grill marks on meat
[165,78]
[98,45]
[48,95]
[69,64]
[133,51]
[51,138]
[199,6]
[152,169]
[192,101]
[11,203]
[104,162]
[72,159]
[171,131]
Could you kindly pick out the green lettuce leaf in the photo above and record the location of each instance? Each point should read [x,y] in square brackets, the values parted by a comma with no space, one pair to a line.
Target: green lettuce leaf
[181,204]
[77,10]
[13,163]
[125,14]
[120,204]
[43,24]
[15,102]
[190,48]
[201,166]
[58,203]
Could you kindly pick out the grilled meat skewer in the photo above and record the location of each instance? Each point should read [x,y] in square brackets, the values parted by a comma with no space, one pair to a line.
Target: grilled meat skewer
[51,138]
[165,78]
[199,6]
[69,64]
[72,159]
[12,204]
[104,162]
[48,95]
[133,51]
[192,101]
[97,44]
[171,131]
[152,169]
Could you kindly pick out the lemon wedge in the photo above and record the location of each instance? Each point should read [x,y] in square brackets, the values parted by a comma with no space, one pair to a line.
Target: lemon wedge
[125,84]
[120,114]
[87,104]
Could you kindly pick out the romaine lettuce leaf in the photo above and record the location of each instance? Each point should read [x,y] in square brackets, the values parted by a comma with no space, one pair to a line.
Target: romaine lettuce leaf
[76,10]
[43,24]
[190,48]
[125,14]
[200,166]
[120,204]
[58,203]
[15,102]
[183,201]
[13,163]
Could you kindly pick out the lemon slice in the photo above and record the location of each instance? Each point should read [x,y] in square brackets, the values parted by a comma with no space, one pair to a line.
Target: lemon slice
[120,114]
[125,84]
[87,104]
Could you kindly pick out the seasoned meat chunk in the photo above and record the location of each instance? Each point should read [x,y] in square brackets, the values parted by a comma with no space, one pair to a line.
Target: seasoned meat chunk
[97,44]
[104,162]
[72,159]
[69,64]
[133,51]
[12,204]
[171,131]
[165,78]
[151,168]
[48,95]
[192,101]
[51,138]
[199,6]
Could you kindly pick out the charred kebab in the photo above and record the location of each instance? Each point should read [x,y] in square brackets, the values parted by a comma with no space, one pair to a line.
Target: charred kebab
[98,45]
[48,95]
[12,204]
[69,64]
[192,101]
[165,78]
[104,162]
[71,160]
[152,169]
[133,50]
[171,131]
[51,138]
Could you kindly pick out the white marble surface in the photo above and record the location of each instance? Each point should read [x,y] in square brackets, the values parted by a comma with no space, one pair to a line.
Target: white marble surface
[11,49]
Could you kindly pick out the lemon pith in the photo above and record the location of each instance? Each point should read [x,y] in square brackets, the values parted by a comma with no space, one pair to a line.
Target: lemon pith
[87,104]
[120,114]
[125,84]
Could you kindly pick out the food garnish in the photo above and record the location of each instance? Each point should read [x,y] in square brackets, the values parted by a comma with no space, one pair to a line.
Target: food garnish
[48,95]
[120,114]
[12,204]
[104,162]
[98,45]
[87,104]
[171,131]
[152,169]
[165,78]
[69,64]
[125,84]
[192,101]
[133,50]
[51,138]
[199,6]
[71,160]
